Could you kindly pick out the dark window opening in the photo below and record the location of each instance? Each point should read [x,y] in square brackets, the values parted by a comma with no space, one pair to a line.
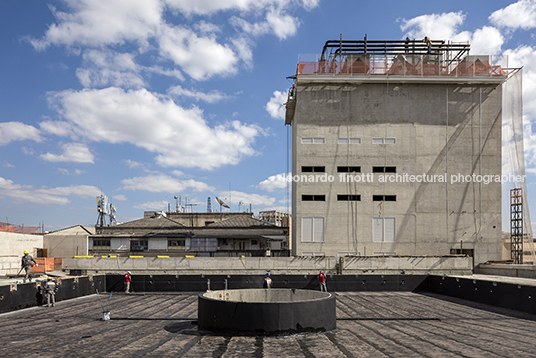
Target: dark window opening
[348,197]
[207,223]
[384,169]
[313,169]
[139,245]
[101,243]
[383,197]
[348,169]
[313,198]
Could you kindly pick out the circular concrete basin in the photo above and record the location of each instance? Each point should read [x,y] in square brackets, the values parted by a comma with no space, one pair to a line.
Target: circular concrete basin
[266,311]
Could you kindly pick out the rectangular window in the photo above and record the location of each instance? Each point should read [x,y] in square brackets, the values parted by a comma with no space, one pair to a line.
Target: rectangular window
[313,198]
[312,253]
[383,197]
[312,229]
[177,244]
[313,140]
[384,140]
[101,245]
[383,230]
[139,245]
[313,169]
[348,197]
[349,141]
[348,169]
[384,169]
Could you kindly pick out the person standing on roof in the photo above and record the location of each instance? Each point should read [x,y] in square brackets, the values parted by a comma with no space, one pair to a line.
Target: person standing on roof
[428,43]
[50,291]
[322,281]
[267,281]
[26,264]
[127,279]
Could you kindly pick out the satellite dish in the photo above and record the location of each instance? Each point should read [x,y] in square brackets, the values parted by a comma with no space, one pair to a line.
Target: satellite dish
[222,203]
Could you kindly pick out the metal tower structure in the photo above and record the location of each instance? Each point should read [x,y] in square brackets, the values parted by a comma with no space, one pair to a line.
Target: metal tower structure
[516,225]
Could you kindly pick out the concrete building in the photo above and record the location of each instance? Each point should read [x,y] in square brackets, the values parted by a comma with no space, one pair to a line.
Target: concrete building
[396,150]
[68,242]
[186,233]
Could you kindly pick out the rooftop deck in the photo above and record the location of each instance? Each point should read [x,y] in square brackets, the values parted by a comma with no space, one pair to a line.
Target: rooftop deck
[369,324]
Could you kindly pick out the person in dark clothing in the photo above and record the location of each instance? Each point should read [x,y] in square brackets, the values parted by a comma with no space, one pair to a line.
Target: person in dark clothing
[27,263]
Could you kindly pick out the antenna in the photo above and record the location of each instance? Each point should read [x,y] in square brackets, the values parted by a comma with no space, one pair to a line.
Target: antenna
[209,206]
[102,210]
[222,203]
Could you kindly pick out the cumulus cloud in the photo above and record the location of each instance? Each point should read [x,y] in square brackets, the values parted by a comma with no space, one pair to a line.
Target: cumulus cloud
[180,136]
[13,131]
[72,152]
[153,205]
[274,182]
[159,183]
[59,195]
[246,199]
[521,14]
[120,197]
[276,106]
[210,97]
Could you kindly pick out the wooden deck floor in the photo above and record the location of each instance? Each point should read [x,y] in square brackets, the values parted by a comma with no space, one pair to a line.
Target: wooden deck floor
[369,324]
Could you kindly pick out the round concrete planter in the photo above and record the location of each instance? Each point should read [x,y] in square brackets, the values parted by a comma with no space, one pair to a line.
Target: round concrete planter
[266,311]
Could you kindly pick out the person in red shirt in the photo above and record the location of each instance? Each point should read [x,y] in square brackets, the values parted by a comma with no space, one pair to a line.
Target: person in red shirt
[127,280]
[322,281]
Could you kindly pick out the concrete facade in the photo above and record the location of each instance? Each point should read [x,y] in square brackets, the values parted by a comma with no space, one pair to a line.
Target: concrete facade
[68,242]
[426,134]
[13,246]
[276,265]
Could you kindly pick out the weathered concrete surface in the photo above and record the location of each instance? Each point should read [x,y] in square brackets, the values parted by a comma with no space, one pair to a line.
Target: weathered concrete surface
[511,270]
[370,324]
[276,265]
[266,295]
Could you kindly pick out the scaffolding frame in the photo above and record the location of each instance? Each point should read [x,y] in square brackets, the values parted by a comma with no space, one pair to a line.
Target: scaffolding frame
[516,225]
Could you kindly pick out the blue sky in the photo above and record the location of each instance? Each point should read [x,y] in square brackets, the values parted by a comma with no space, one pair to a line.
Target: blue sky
[145,100]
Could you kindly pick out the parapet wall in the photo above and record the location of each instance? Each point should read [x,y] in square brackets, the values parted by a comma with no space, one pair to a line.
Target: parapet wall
[510,270]
[424,265]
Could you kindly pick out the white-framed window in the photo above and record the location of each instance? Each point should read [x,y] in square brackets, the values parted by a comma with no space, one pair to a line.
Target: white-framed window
[313,253]
[349,141]
[384,253]
[383,229]
[313,140]
[312,229]
[390,140]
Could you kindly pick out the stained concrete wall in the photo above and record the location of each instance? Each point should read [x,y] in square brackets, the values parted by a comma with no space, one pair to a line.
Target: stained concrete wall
[276,265]
[431,138]
[510,270]
[12,248]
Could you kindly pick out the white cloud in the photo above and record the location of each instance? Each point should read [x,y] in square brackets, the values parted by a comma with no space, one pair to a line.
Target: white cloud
[102,22]
[436,26]
[485,41]
[521,14]
[181,137]
[153,205]
[68,172]
[25,193]
[274,182]
[210,97]
[58,128]
[120,197]
[12,131]
[276,105]
[72,152]
[159,183]
[200,57]
[246,199]
[105,68]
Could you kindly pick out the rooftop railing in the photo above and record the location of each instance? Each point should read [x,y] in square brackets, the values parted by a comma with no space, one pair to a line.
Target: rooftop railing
[400,65]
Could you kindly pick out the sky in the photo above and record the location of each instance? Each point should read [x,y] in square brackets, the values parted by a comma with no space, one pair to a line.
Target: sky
[145,100]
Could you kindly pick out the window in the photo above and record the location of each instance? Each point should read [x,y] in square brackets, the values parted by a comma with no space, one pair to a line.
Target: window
[313,169]
[207,223]
[349,141]
[203,244]
[348,197]
[139,245]
[312,229]
[383,140]
[310,140]
[348,169]
[383,197]
[254,242]
[313,198]
[383,229]
[311,253]
[101,244]
[177,244]
[384,169]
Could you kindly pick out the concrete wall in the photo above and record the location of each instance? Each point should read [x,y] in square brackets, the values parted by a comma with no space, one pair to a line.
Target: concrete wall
[276,265]
[431,217]
[66,245]
[12,248]
[524,271]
